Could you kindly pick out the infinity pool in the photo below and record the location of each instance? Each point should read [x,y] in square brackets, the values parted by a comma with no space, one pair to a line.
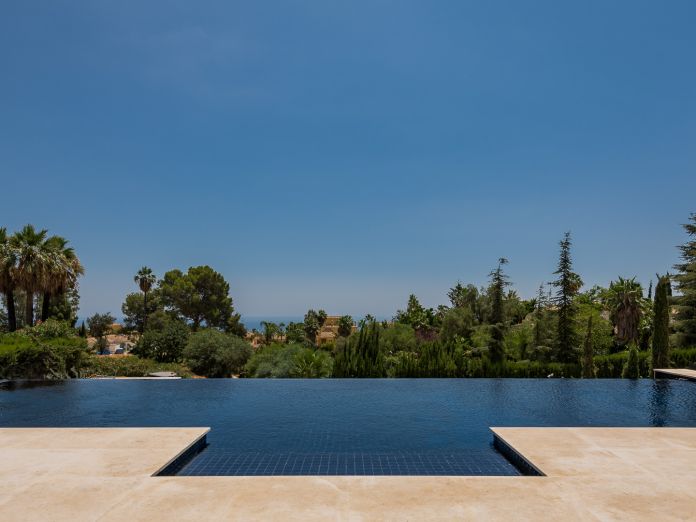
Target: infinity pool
[347,426]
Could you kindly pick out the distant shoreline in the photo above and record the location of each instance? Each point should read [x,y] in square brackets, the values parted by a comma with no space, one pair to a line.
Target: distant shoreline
[252,322]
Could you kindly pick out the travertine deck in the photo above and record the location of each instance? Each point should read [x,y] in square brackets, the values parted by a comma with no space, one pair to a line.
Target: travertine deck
[105,474]
[678,373]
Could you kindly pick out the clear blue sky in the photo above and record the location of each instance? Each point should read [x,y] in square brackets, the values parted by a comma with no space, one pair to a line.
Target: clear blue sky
[345,154]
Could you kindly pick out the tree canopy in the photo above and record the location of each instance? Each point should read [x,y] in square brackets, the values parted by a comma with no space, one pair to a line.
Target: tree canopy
[201,296]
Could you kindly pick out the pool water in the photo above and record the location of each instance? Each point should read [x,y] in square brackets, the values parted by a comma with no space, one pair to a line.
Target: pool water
[350,426]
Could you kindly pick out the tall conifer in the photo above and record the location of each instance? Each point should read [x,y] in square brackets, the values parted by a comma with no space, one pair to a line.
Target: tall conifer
[660,340]
[499,281]
[685,284]
[568,284]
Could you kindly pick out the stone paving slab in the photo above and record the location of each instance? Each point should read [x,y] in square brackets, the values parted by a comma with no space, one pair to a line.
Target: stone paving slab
[105,474]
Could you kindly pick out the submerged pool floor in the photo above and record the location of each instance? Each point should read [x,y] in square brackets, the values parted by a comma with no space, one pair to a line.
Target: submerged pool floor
[350,426]
[471,462]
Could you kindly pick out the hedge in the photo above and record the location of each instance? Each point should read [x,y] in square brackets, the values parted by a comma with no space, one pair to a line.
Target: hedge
[23,357]
[606,366]
[128,366]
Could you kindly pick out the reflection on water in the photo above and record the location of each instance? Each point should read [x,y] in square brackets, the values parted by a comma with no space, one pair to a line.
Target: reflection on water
[27,384]
[659,400]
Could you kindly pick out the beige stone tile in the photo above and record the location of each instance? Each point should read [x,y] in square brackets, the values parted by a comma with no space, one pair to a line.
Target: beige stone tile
[62,499]
[97,438]
[630,498]
[593,474]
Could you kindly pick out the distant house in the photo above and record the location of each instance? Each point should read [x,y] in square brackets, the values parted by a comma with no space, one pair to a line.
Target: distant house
[255,339]
[116,344]
[327,334]
[329,330]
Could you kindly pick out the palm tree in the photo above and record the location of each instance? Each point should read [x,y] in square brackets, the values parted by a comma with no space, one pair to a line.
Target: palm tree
[30,271]
[63,268]
[145,279]
[8,260]
[345,326]
[624,300]
[270,331]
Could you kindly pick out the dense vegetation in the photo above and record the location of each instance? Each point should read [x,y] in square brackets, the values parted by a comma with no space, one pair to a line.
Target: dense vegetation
[48,351]
[617,331]
[185,322]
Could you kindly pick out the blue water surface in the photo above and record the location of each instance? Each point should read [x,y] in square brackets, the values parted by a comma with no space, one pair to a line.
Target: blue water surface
[350,426]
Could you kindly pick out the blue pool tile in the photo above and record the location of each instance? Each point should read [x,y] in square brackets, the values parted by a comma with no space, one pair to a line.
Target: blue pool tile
[474,462]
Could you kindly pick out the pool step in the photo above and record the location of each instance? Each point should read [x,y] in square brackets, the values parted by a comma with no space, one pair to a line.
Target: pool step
[516,458]
[177,463]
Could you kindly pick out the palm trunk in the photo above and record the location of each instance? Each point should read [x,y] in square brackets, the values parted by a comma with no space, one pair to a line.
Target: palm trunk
[45,305]
[11,313]
[144,310]
[29,309]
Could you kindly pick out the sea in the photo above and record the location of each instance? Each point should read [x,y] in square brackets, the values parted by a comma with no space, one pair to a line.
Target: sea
[253,322]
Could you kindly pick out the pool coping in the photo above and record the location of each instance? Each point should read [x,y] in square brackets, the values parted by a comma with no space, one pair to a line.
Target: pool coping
[107,474]
[685,374]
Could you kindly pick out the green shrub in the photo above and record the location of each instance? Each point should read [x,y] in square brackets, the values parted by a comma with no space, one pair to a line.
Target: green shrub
[631,369]
[128,366]
[611,366]
[311,364]
[165,345]
[10,342]
[457,324]
[275,360]
[397,337]
[684,358]
[518,340]
[215,354]
[449,360]
[25,357]
[51,329]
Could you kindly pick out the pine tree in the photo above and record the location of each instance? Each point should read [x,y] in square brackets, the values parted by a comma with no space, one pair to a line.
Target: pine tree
[588,370]
[499,281]
[660,340]
[685,283]
[568,284]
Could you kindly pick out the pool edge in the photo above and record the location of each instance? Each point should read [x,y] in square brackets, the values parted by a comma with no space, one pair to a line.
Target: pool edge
[524,465]
[176,463]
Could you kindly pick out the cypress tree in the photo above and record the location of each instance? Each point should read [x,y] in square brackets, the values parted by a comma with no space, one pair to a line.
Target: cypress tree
[540,323]
[588,371]
[631,369]
[361,358]
[685,283]
[660,340]
[499,281]
[568,284]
